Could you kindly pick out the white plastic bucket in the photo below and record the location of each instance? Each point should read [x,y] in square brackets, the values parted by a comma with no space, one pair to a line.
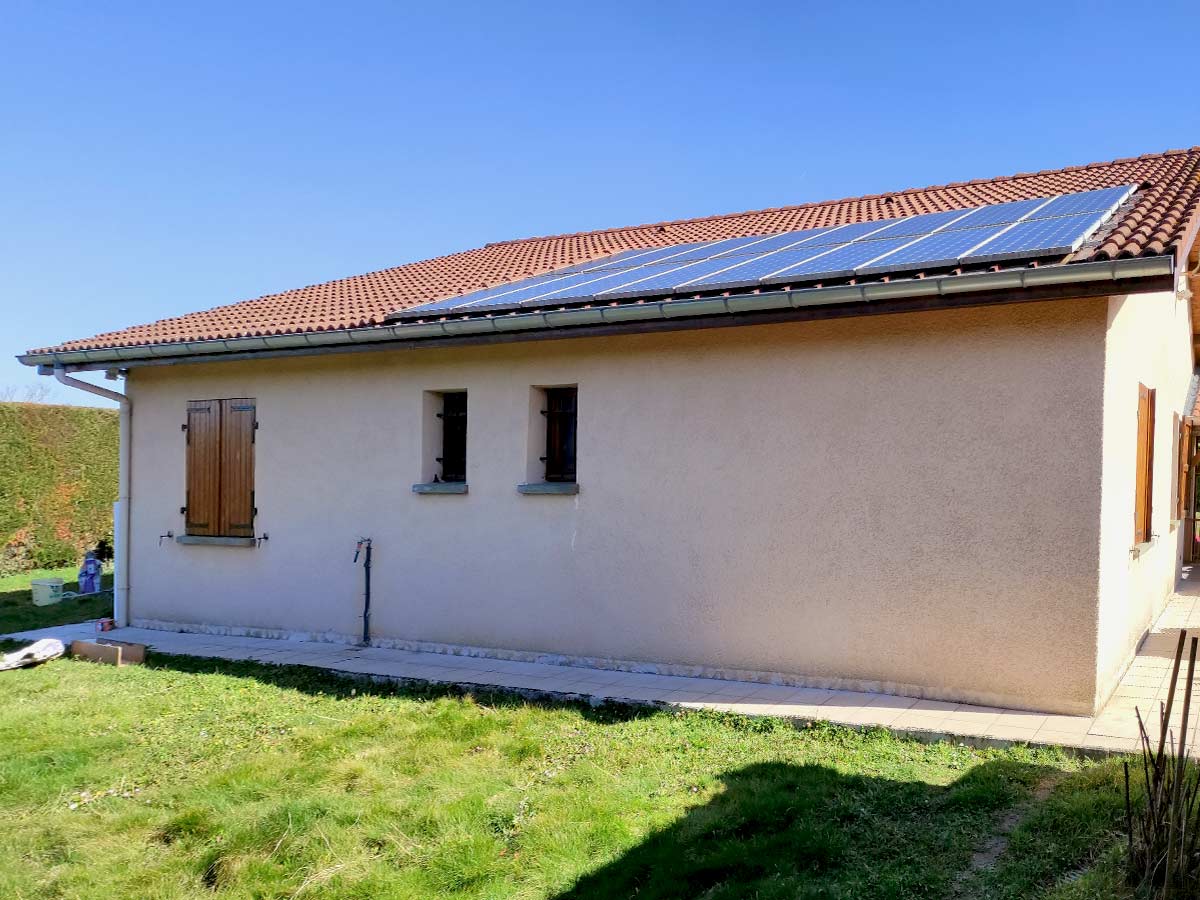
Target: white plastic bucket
[46,591]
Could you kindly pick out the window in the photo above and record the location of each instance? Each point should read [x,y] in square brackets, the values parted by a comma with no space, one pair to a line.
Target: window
[453,460]
[1144,482]
[560,433]
[220,468]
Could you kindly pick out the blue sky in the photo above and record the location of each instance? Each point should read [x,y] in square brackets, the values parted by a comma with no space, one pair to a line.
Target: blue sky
[162,158]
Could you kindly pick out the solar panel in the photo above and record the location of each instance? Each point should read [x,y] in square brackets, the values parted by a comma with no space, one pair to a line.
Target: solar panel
[624,258]
[770,243]
[924,224]
[1045,237]
[839,261]
[714,274]
[934,250]
[1001,213]
[852,232]
[1045,226]
[1105,200]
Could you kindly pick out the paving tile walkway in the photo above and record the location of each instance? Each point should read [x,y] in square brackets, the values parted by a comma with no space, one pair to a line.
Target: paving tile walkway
[1113,730]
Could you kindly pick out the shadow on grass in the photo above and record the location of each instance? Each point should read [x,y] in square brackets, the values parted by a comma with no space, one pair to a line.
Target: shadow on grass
[311,680]
[782,830]
[17,612]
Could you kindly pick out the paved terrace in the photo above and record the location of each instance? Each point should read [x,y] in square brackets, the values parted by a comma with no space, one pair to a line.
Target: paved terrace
[1114,730]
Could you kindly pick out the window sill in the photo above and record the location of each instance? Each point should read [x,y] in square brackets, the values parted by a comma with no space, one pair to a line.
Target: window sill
[440,487]
[215,541]
[549,487]
[1138,549]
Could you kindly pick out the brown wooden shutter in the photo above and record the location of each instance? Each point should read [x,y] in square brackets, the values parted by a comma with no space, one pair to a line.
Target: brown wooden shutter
[237,468]
[202,514]
[1144,485]
[1185,450]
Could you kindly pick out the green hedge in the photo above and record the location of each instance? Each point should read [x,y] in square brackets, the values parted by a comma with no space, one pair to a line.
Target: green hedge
[58,481]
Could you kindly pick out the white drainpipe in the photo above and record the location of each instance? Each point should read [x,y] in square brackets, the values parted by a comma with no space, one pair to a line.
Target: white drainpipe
[121,507]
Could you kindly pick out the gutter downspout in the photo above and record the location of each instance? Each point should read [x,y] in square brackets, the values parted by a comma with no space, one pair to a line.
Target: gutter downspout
[121,507]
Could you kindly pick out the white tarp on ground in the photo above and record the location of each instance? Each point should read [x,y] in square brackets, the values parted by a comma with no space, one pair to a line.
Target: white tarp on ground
[37,652]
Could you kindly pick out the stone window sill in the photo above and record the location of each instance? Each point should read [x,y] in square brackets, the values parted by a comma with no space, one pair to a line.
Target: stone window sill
[440,487]
[549,487]
[215,541]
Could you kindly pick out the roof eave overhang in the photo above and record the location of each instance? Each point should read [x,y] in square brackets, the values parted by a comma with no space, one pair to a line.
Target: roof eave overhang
[1090,279]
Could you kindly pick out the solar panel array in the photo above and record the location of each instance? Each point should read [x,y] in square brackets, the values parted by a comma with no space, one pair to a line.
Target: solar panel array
[1048,226]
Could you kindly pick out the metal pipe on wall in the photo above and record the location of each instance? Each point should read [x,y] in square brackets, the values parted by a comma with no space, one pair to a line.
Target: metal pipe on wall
[121,507]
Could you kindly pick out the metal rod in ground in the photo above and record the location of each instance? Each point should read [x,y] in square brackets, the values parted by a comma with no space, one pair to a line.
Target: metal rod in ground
[1173,823]
[1166,715]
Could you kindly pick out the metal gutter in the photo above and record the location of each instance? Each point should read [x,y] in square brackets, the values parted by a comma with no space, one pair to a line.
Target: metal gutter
[707,308]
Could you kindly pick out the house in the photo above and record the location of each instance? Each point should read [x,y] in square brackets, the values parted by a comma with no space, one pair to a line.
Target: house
[957,474]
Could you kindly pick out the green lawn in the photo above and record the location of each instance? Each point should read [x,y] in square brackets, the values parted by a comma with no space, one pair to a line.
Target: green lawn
[17,612]
[195,778]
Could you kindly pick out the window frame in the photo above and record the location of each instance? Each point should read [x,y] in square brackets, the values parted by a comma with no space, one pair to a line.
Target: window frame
[453,459]
[561,412]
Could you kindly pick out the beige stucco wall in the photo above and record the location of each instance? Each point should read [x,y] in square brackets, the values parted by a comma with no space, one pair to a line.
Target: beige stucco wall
[1149,342]
[906,502]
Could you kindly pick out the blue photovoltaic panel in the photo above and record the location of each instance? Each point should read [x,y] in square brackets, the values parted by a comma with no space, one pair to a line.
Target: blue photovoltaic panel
[477,298]
[714,273]
[1046,237]
[842,260]
[790,240]
[717,248]
[1000,214]
[624,258]
[1089,201]
[923,224]
[522,290]
[1024,228]
[941,249]
[639,283]
[589,284]
[851,232]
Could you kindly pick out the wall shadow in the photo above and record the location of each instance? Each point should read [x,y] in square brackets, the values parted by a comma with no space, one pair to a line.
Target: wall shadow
[775,829]
[798,831]
[312,680]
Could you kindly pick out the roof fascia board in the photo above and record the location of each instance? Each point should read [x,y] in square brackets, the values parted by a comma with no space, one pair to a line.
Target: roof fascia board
[1136,275]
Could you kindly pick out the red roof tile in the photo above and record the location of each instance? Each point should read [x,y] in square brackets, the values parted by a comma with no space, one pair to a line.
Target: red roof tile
[1166,211]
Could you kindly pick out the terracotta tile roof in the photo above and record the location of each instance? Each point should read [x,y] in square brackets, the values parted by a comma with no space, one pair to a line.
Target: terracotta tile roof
[1166,211]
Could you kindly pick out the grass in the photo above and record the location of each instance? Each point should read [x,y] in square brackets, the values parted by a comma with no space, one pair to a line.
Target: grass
[202,778]
[17,612]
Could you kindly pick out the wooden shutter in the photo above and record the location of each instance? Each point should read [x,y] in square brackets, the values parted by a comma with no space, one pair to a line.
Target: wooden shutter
[202,506]
[1185,451]
[1144,491]
[237,468]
